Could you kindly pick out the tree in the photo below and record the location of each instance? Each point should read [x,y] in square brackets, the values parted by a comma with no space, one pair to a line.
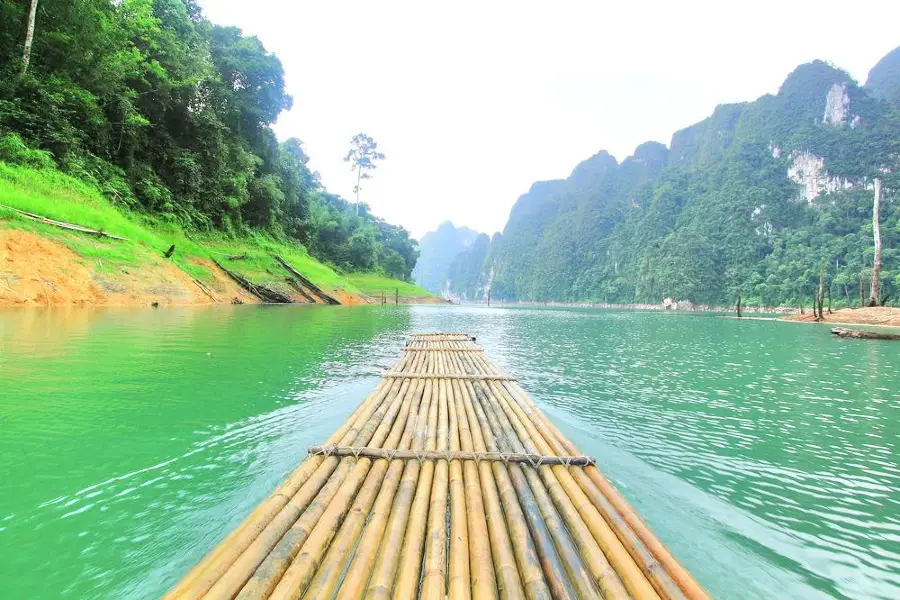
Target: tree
[876,232]
[363,157]
[29,36]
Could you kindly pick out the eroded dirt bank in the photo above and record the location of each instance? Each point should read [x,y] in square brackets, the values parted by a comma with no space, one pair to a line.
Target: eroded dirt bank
[39,271]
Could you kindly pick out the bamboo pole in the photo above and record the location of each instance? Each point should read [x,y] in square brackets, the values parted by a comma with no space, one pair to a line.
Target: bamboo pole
[484,581]
[672,567]
[595,560]
[460,576]
[623,564]
[546,525]
[199,580]
[501,537]
[387,525]
[661,580]
[400,571]
[534,460]
[433,585]
[240,571]
[303,568]
[544,561]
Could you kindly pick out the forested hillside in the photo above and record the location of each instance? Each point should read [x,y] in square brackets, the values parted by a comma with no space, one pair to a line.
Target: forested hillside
[437,250]
[756,200]
[170,115]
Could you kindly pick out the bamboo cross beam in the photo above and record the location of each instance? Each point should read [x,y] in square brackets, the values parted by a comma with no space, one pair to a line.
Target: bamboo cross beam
[535,460]
[443,349]
[401,375]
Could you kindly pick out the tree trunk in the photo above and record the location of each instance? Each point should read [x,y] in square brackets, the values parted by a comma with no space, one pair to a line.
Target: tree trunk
[739,306]
[358,179]
[820,296]
[29,36]
[876,231]
[862,291]
[829,299]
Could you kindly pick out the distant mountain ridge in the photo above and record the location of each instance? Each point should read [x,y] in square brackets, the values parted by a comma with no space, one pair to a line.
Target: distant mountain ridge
[750,201]
[437,250]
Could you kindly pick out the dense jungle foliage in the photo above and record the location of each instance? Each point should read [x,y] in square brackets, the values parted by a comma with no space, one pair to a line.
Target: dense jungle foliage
[170,115]
[754,200]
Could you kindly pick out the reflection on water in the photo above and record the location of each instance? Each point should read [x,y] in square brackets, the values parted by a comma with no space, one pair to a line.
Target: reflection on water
[764,454]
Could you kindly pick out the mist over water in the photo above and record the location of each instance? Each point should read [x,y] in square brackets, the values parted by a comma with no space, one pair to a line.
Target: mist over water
[763,454]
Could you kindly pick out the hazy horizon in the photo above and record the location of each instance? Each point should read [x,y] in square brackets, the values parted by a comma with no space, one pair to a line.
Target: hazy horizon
[472,103]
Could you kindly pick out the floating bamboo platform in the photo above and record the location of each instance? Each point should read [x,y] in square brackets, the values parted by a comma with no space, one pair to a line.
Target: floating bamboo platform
[446,482]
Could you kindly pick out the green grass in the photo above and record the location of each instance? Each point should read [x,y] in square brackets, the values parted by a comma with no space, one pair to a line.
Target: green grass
[372,284]
[55,195]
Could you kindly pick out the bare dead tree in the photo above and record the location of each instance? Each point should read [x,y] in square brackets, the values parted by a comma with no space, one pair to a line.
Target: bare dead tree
[876,232]
[29,36]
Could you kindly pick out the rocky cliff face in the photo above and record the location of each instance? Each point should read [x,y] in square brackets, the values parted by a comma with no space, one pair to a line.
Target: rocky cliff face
[734,199]
[437,250]
[884,78]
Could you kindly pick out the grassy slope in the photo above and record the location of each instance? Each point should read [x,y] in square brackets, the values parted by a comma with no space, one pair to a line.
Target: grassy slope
[54,195]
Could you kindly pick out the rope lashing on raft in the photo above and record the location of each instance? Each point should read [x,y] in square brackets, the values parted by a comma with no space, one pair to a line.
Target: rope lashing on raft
[443,349]
[402,375]
[535,460]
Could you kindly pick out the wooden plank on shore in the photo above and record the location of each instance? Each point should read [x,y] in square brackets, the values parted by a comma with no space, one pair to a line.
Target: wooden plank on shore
[858,334]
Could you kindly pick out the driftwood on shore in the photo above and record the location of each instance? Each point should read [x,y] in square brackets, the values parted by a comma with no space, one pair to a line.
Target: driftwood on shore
[298,287]
[263,292]
[306,282]
[63,224]
[863,335]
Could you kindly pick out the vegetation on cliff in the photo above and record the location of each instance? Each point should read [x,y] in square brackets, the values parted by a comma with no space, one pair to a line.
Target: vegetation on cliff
[437,250]
[752,201]
[170,115]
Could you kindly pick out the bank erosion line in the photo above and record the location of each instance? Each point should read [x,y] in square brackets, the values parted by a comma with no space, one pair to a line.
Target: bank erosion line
[446,482]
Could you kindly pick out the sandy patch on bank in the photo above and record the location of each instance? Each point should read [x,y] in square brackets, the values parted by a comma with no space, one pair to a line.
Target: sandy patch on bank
[884,316]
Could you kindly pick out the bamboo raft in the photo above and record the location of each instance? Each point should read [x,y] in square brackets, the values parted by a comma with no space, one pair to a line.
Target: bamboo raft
[446,482]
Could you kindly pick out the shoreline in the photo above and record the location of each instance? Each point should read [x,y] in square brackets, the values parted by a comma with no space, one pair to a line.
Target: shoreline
[40,270]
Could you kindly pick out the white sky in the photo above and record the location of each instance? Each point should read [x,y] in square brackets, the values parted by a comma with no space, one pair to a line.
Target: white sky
[473,101]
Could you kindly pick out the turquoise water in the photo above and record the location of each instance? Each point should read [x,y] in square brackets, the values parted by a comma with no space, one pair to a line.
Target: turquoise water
[764,454]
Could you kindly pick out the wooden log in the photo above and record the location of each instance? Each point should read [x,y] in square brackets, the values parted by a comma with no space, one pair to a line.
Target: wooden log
[63,224]
[263,292]
[300,289]
[309,284]
[863,335]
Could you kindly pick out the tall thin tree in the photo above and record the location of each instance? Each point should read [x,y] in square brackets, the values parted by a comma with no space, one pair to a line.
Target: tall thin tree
[876,231]
[29,36]
[363,157]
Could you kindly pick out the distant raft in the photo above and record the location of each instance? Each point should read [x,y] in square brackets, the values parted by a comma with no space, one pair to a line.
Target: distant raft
[446,482]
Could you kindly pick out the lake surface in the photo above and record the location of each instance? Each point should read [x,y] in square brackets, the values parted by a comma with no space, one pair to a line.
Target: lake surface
[765,455]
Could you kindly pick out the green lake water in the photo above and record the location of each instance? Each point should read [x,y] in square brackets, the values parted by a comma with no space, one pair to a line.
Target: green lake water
[765,455]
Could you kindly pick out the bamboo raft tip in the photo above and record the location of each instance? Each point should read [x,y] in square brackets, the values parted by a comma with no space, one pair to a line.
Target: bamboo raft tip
[446,482]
